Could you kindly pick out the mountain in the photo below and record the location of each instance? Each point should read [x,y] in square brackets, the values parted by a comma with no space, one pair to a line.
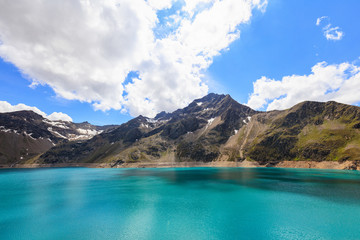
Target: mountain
[194,133]
[313,131]
[212,129]
[25,135]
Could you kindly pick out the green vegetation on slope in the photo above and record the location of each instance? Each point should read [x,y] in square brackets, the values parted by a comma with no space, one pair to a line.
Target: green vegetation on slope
[310,131]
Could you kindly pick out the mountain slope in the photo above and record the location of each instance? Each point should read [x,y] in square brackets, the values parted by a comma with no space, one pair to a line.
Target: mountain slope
[214,128]
[25,134]
[217,128]
[313,131]
[195,133]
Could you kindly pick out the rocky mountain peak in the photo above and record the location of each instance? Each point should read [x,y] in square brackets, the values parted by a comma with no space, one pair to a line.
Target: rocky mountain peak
[25,134]
[204,123]
[160,115]
[26,114]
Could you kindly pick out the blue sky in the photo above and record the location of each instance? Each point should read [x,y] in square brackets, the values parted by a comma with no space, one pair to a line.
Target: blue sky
[279,40]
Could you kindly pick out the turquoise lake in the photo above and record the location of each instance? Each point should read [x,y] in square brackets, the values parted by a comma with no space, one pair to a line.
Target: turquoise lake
[182,203]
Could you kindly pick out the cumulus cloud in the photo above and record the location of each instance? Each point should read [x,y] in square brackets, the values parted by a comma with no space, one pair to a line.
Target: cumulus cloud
[330,33]
[159,5]
[338,82]
[55,116]
[85,49]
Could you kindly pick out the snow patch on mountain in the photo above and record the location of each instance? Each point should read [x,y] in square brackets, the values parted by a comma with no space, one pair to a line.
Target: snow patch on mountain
[3,129]
[88,132]
[29,135]
[210,121]
[57,134]
[56,124]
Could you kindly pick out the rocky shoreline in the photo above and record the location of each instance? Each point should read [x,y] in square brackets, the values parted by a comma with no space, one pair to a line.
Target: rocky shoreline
[346,165]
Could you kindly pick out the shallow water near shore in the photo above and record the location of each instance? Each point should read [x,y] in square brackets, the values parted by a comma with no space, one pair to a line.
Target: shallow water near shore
[179,203]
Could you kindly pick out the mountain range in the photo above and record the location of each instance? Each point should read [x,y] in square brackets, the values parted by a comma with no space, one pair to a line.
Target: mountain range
[213,129]
[26,134]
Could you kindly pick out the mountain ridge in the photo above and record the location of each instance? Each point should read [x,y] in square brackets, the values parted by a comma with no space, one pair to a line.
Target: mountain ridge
[216,128]
[26,134]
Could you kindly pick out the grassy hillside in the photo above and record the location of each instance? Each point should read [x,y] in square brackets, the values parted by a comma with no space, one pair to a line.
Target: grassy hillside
[308,131]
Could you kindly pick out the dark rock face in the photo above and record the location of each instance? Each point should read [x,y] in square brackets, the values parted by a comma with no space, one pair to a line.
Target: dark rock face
[274,148]
[196,151]
[26,121]
[25,134]
[178,128]
[316,151]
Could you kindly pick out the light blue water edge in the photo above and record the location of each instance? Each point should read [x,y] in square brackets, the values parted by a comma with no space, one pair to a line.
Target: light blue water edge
[179,203]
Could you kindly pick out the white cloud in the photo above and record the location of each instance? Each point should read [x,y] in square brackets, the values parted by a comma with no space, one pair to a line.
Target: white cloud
[55,116]
[175,77]
[84,49]
[320,19]
[338,82]
[193,6]
[333,33]
[330,33]
[59,116]
[159,5]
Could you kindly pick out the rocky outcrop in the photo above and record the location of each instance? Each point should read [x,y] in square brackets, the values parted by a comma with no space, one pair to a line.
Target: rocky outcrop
[24,135]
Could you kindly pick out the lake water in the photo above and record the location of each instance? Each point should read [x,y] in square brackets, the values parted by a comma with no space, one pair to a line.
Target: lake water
[183,203]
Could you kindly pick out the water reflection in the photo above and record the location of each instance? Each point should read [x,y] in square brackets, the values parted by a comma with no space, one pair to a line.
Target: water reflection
[334,185]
